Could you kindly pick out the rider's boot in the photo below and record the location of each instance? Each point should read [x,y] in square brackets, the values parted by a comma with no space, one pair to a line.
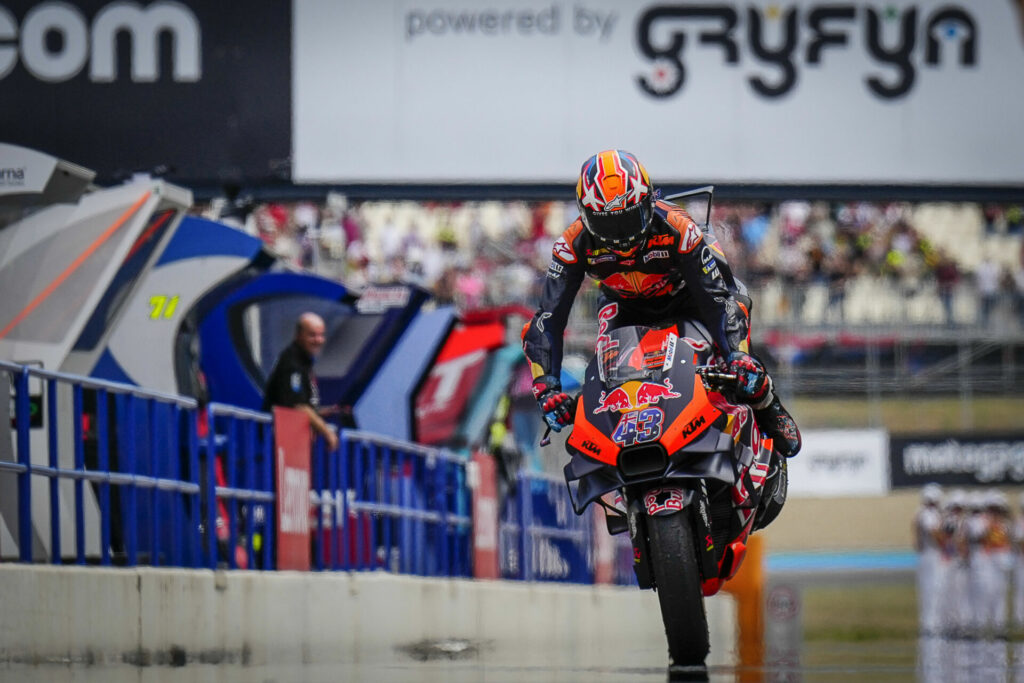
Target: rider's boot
[773,496]
[775,421]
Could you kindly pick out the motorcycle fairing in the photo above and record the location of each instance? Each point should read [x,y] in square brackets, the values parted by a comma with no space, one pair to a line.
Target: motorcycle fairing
[688,426]
[697,416]
[667,500]
[588,480]
[611,396]
[746,493]
[587,439]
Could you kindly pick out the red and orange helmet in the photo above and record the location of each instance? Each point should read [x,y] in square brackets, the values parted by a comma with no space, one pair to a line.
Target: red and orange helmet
[614,195]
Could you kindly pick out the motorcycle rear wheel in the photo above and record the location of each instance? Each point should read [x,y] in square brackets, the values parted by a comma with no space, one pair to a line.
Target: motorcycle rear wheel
[678,584]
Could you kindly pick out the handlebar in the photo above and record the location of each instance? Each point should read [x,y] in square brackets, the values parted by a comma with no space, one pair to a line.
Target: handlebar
[712,375]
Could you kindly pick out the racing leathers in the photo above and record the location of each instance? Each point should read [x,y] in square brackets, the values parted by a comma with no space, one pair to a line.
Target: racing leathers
[677,271]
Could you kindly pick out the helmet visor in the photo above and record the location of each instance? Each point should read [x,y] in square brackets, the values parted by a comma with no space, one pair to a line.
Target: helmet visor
[623,228]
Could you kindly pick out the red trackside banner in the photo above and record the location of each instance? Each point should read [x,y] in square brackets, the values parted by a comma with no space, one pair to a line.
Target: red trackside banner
[292,448]
[485,518]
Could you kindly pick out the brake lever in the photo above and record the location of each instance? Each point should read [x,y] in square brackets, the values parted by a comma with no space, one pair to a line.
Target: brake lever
[546,439]
[714,378]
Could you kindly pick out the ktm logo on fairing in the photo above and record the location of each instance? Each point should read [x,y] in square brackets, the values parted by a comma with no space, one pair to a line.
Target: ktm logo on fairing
[660,241]
[694,425]
[590,446]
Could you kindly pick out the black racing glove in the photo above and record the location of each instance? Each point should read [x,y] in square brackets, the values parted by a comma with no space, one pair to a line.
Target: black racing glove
[752,383]
[554,403]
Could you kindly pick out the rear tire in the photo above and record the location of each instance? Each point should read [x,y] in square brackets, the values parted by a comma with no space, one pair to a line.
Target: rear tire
[678,583]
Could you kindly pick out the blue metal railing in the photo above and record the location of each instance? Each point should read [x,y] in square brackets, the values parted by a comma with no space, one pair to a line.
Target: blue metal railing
[130,474]
[99,441]
[382,503]
[238,467]
[556,545]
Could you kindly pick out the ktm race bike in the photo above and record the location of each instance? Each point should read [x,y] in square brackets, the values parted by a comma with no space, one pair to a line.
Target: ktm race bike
[658,443]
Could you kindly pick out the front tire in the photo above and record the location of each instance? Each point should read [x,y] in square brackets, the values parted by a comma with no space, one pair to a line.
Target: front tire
[678,583]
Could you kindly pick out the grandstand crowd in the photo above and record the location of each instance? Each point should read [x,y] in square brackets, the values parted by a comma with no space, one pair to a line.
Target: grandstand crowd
[809,262]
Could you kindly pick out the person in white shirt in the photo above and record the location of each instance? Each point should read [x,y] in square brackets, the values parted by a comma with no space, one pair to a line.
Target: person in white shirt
[928,544]
[987,277]
[976,528]
[1017,543]
[955,604]
[996,550]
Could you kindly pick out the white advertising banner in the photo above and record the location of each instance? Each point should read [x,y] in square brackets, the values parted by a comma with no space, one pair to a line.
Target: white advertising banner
[841,462]
[804,91]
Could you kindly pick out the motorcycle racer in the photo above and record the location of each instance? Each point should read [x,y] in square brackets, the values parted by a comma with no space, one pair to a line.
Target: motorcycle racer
[654,263]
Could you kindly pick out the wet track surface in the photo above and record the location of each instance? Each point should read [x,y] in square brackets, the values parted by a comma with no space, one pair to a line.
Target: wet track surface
[964,661]
[818,626]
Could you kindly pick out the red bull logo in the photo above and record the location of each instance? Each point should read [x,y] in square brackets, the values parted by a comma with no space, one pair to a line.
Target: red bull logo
[634,396]
[617,400]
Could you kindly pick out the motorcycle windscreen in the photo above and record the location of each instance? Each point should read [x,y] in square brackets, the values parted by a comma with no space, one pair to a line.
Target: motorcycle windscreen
[633,353]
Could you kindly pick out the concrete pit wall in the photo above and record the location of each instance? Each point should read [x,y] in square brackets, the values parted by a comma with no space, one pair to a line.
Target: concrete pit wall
[172,617]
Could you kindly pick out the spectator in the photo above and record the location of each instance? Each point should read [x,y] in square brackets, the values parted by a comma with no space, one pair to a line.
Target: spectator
[1018,293]
[997,562]
[946,275]
[1017,544]
[928,543]
[233,208]
[986,278]
[976,530]
[953,577]
[1014,220]
[754,227]
[292,383]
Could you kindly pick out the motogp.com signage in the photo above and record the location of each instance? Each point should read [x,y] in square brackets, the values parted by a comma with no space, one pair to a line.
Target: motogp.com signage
[786,92]
[199,88]
[958,460]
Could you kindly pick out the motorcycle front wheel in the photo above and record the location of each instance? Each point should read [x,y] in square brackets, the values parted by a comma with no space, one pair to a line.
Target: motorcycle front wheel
[678,584]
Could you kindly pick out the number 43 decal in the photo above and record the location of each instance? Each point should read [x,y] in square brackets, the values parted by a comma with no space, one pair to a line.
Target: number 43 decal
[639,426]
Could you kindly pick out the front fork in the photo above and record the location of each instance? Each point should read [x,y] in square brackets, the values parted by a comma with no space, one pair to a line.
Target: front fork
[670,500]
